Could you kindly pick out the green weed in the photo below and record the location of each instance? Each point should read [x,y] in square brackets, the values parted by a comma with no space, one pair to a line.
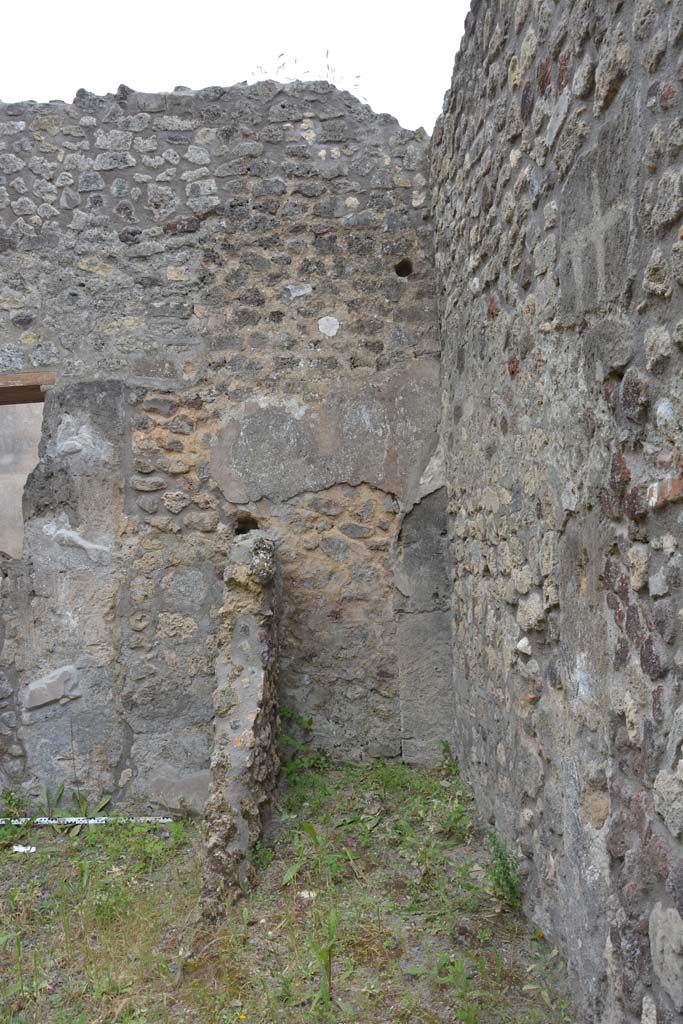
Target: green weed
[324,954]
[12,804]
[262,856]
[502,874]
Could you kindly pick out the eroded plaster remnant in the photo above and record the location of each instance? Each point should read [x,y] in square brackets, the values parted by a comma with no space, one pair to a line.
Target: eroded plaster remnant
[244,760]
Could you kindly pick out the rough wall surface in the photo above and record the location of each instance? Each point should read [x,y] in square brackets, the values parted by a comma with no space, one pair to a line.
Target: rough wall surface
[558,195]
[213,277]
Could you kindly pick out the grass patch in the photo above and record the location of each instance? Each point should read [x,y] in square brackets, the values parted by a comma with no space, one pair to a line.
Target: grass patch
[377,902]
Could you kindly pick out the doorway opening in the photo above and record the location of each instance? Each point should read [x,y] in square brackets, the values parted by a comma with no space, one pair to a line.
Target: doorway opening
[21,419]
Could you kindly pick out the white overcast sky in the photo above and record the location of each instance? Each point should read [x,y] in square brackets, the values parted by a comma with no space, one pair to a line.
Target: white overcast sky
[401,52]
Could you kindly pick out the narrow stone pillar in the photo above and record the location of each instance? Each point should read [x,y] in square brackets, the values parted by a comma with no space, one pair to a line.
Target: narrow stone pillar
[244,761]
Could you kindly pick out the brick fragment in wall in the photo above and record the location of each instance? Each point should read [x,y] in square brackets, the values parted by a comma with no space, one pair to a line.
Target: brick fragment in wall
[664,492]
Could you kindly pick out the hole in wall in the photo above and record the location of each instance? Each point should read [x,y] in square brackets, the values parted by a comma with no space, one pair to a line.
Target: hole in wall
[245,524]
[404,267]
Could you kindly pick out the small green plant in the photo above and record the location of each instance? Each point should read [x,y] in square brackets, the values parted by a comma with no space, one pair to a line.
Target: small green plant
[80,808]
[457,824]
[502,874]
[24,983]
[324,954]
[109,901]
[313,851]
[14,834]
[133,1016]
[69,1017]
[50,807]
[142,846]
[83,810]
[455,974]
[544,973]
[300,764]
[299,730]
[262,856]
[12,804]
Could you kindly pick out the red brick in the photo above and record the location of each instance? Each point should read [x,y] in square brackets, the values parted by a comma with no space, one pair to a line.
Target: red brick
[665,491]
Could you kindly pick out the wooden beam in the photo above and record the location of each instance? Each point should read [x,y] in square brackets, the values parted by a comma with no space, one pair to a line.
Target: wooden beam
[21,388]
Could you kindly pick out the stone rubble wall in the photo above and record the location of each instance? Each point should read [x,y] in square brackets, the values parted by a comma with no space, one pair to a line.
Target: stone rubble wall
[557,180]
[213,277]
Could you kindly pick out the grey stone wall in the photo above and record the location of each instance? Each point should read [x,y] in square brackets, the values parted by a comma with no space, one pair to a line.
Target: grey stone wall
[235,288]
[558,198]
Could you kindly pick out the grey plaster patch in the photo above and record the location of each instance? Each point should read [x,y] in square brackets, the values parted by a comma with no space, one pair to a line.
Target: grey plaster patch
[423,634]
[61,533]
[434,475]
[427,701]
[381,432]
[666,944]
[59,685]
[77,437]
[78,742]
